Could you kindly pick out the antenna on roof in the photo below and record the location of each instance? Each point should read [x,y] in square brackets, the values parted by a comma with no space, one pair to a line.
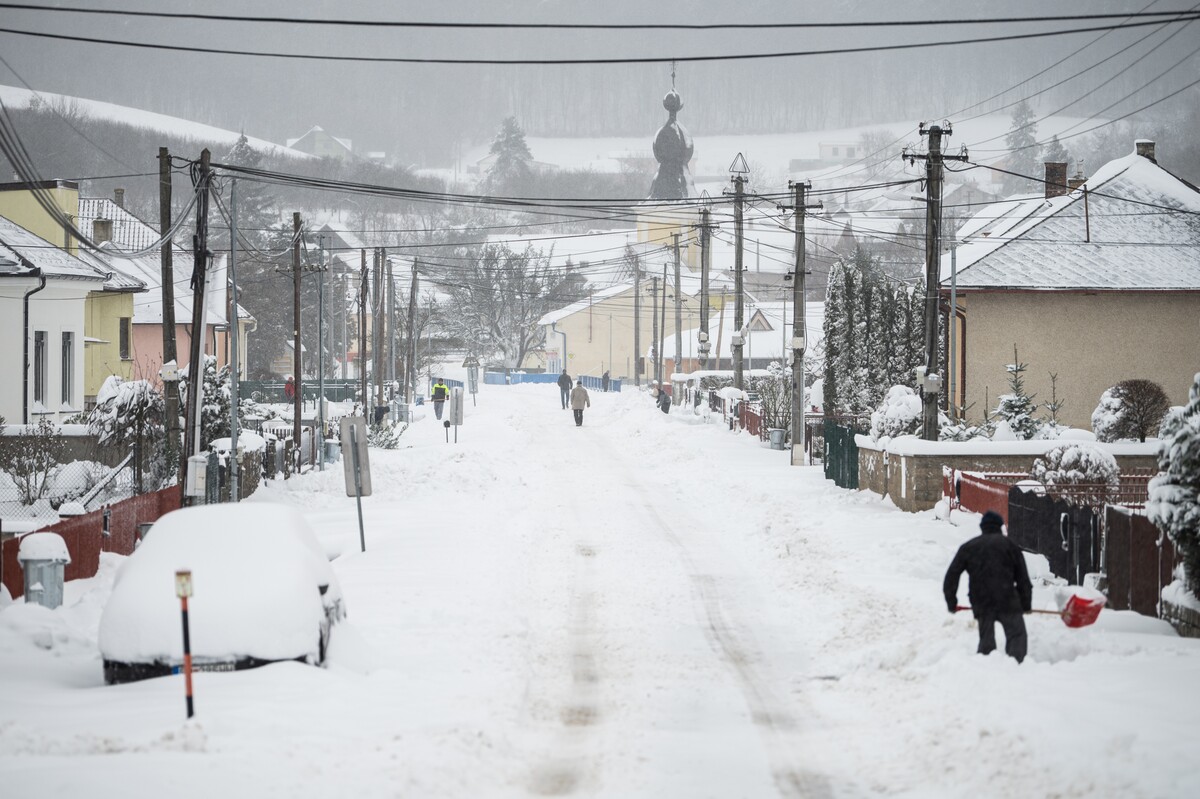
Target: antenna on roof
[672,74]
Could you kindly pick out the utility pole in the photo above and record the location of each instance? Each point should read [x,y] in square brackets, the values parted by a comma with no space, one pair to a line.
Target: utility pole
[391,314]
[297,361]
[934,172]
[799,329]
[321,360]
[362,337]
[705,253]
[410,367]
[654,340]
[170,387]
[662,329]
[234,466]
[678,316]
[199,285]
[738,311]
[638,355]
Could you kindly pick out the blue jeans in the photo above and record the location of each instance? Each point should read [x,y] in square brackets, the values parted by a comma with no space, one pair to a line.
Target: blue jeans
[566,396]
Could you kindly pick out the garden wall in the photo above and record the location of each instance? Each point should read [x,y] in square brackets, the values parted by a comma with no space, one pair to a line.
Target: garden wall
[908,471]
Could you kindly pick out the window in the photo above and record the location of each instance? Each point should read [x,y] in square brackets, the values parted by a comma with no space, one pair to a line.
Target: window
[68,367]
[126,338]
[834,151]
[39,366]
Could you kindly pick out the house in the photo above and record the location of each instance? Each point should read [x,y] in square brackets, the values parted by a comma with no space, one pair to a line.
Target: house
[1093,282]
[44,293]
[316,141]
[120,232]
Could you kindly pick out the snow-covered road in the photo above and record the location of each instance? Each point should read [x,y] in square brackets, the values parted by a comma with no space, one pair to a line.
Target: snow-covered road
[647,606]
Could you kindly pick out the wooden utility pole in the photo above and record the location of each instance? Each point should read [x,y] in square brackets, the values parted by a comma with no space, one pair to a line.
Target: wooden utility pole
[297,360]
[799,329]
[362,337]
[199,294]
[705,251]
[377,324]
[678,316]
[654,340]
[738,309]
[638,355]
[410,367]
[391,317]
[662,331]
[171,387]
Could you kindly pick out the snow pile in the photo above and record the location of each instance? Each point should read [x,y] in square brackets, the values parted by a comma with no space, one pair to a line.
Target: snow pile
[898,415]
[255,569]
[43,546]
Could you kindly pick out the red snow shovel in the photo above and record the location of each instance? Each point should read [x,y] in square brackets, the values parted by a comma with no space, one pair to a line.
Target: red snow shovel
[1079,612]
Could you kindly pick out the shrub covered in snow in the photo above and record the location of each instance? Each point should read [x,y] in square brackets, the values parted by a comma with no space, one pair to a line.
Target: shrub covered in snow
[214,404]
[1174,503]
[30,459]
[385,435]
[130,413]
[774,392]
[1130,409]
[1091,470]
[898,415]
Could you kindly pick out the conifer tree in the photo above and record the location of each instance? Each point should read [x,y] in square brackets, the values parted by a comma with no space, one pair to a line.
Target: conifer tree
[510,173]
[1016,407]
[1174,503]
[1024,151]
[834,325]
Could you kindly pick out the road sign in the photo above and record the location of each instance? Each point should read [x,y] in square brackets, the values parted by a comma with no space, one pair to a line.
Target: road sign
[354,456]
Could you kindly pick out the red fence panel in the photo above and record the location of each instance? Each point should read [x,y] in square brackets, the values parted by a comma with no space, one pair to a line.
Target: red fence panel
[88,535]
[979,495]
[751,421]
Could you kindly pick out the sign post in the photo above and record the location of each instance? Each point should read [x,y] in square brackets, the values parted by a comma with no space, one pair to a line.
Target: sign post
[357,466]
[183,590]
[456,409]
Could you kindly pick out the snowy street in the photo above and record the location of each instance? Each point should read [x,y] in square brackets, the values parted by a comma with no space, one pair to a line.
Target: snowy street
[647,606]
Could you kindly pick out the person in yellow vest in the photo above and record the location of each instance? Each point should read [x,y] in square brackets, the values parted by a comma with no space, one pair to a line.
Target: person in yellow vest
[439,394]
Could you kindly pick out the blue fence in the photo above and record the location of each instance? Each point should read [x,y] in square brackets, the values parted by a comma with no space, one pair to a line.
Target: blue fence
[512,378]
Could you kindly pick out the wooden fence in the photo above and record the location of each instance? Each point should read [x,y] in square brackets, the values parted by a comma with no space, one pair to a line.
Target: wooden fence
[110,529]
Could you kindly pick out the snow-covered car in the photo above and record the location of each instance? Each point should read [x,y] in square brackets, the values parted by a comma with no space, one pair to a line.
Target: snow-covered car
[263,591]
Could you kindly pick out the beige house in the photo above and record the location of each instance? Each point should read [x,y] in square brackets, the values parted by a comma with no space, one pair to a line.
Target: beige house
[1095,282]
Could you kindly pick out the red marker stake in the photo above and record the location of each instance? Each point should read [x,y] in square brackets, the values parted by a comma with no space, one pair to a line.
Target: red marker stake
[183,590]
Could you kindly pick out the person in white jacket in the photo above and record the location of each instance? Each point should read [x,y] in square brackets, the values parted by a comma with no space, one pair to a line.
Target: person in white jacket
[579,401]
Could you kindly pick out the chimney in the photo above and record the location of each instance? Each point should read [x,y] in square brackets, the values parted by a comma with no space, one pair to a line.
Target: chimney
[102,230]
[1145,148]
[119,197]
[1056,179]
[1078,179]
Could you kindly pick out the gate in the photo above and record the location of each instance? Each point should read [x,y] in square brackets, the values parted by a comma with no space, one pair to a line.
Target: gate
[841,455]
[1068,535]
[1140,561]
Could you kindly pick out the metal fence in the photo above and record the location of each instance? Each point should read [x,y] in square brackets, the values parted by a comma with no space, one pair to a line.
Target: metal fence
[841,454]
[1067,534]
[1139,562]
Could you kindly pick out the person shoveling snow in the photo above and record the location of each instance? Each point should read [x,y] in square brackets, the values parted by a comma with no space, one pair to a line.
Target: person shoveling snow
[1000,589]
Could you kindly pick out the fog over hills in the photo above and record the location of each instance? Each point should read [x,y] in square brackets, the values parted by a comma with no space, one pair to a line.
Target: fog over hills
[428,114]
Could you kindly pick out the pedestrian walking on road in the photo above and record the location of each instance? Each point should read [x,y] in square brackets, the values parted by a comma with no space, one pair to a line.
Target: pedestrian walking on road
[579,401]
[439,393]
[564,388]
[604,381]
[663,400]
[1000,590]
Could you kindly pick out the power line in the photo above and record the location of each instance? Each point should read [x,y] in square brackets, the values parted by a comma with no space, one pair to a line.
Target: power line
[754,56]
[369,23]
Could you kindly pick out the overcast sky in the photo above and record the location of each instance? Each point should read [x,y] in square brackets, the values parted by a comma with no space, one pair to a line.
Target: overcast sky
[424,111]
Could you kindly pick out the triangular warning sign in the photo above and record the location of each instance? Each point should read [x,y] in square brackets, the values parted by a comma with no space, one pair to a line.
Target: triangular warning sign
[738,167]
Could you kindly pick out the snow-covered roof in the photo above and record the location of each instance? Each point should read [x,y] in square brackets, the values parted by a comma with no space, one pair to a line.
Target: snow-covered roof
[25,247]
[128,232]
[1138,230]
[771,343]
[582,305]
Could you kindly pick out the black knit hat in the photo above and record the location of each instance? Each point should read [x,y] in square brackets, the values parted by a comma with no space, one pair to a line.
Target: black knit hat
[991,521]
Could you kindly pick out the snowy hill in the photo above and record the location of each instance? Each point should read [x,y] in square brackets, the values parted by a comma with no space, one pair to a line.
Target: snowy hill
[14,97]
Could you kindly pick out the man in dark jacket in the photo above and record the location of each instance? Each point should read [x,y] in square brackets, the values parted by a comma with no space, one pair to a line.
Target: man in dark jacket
[564,388]
[1000,590]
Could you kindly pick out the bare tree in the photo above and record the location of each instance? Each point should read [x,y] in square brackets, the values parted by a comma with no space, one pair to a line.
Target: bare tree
[500,295]
[1130,409]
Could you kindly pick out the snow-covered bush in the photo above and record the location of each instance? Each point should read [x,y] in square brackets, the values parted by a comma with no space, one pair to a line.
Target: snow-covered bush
[131,413]
[898,415]
[1130,409]
[1174,503]
[961,431]
[385,435]
[30,459]
[1091,472]
[774,392]
[1017,407]
[214,404]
